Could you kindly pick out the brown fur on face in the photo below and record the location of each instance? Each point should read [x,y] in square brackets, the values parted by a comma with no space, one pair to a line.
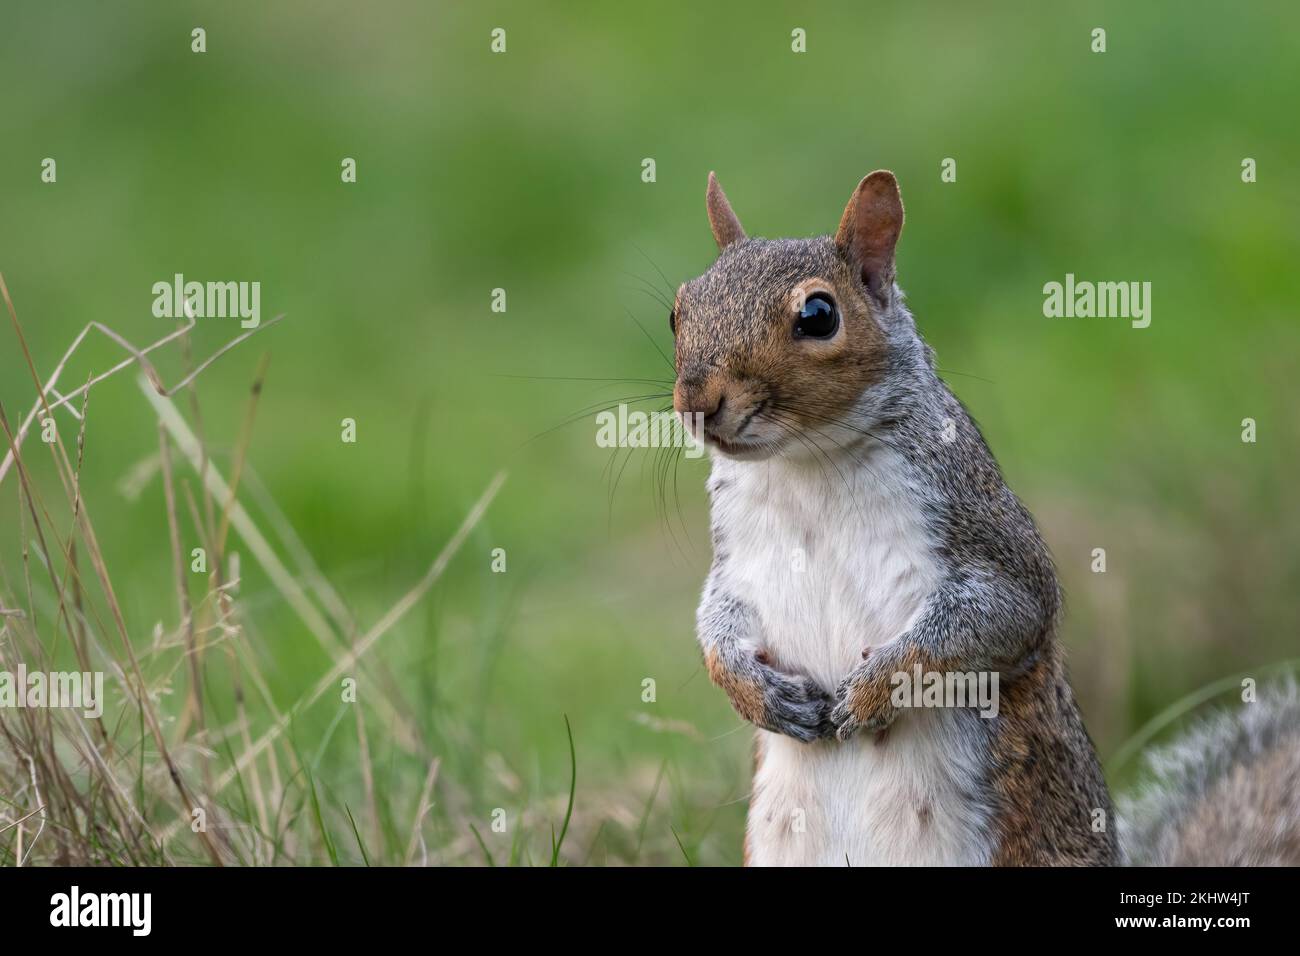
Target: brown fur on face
[738,359]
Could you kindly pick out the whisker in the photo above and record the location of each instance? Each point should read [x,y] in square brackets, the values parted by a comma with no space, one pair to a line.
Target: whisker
[657,296]
[643,280]
[586,378]
[813,412]
[948,371]
[598,407]
[614,488]
[650,338]
[654,265]
[791,430]
[667,460]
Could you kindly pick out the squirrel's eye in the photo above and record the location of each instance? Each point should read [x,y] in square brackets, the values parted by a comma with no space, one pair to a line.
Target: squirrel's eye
[672,320]
[819,318]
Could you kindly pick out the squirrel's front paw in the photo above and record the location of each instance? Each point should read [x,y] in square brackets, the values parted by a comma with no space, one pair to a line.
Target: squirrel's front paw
[795,705]
[862,699]
[790,704]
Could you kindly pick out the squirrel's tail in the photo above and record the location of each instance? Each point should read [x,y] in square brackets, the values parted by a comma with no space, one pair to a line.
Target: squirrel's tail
[1225,794]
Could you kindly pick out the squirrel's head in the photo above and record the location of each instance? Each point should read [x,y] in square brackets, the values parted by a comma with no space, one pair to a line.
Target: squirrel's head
[779,342]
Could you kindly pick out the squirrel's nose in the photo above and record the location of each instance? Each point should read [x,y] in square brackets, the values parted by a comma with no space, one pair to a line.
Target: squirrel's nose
[698,397]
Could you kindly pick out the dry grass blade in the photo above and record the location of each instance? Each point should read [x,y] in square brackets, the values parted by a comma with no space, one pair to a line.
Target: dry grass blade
[421,810]
[138,356]
[261,549]
[349,660]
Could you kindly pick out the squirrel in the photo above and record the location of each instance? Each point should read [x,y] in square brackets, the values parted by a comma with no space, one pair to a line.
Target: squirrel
[862,533]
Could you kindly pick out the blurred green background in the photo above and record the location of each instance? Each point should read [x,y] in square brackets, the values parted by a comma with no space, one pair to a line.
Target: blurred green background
[522,171]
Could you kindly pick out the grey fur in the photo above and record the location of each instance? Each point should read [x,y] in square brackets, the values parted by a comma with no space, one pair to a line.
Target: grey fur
[1225,793]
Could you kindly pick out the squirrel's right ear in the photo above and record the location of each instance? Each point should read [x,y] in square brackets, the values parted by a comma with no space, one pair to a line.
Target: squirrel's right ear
[870,228]
[726,227]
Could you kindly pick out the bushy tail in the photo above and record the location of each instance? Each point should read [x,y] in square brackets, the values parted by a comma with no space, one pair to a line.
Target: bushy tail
[1227,793]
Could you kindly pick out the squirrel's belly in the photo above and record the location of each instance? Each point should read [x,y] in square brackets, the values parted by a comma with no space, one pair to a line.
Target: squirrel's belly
[913,799]
[830,567]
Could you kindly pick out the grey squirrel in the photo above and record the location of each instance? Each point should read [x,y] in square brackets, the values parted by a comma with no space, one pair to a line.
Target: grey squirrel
[862,533]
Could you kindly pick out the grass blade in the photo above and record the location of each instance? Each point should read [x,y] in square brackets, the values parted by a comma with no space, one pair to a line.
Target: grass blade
[573,784]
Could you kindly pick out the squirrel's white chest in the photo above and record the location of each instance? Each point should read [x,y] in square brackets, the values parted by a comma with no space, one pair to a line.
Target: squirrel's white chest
[834,559]
[834,562]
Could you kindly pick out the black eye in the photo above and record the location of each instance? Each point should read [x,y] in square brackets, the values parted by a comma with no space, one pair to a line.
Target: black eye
[672,321]
[819,318]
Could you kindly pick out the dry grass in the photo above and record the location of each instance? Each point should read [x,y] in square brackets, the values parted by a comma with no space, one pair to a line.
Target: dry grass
[133,787]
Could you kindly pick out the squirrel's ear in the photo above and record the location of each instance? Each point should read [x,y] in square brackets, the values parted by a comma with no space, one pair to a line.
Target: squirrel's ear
[869,230]
[726,227]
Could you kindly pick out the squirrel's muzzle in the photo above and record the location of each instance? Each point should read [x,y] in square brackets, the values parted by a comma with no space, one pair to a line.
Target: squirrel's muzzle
[698,395]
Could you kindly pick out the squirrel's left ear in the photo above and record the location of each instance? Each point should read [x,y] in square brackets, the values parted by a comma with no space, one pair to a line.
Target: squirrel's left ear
[869,230]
